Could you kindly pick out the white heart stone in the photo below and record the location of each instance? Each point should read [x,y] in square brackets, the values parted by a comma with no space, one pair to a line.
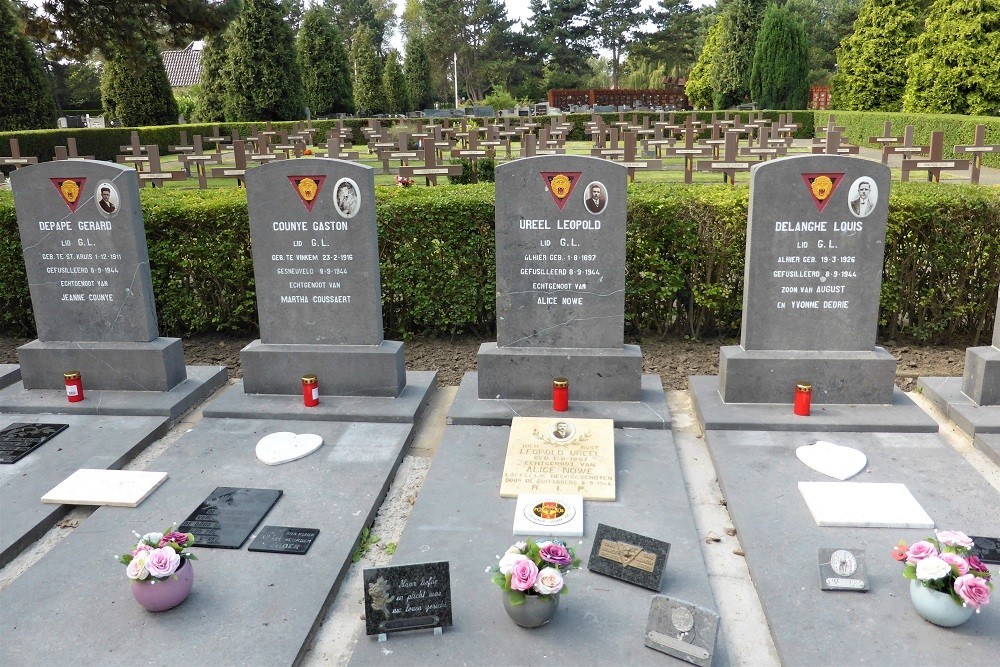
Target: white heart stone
[836,461]
[284,446]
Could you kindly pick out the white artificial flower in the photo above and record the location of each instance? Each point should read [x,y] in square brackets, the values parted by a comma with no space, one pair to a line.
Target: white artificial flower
[931,568]
[509,560]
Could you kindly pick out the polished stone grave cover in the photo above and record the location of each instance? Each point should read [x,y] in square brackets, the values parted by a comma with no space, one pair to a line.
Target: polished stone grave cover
[20,439]
[226,518]
[284,540]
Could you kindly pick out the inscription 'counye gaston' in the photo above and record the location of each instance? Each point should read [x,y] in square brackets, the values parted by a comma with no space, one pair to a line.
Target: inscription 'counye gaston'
[322,262]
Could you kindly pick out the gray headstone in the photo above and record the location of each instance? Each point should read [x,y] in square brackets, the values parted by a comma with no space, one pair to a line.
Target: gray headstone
[315,252]
[88,267]
[996,324]
[981,380]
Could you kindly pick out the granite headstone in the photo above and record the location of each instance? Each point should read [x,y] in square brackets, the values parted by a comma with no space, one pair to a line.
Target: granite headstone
[284,540]
[20,439]
[981,380]
[815,247]
[842,570]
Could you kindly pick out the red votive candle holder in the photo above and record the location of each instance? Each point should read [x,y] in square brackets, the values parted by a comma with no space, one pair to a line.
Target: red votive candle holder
[803,399]
[310,391]
[560,394]
[74,386]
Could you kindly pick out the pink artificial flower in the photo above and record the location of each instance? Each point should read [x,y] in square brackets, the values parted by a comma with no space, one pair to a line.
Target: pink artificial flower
[556,554]
[141,548]
[957,561]
[523,575]
[550,581]
[954,538]
[178,538]
[919,551]
[163,562]
[973,590]
[977,565]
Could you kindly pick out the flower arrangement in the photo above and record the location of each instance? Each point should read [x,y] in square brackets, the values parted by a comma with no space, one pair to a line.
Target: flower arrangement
[942,563]
[157,556]
[530,568]
[404,182]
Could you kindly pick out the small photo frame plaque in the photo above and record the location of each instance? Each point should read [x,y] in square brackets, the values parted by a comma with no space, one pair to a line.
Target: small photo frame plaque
[842,570]
[407,597]
[682,629]
[628,556]
[284,540]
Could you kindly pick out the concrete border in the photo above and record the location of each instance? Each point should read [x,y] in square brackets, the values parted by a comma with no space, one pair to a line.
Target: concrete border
[947,395]
[9,374]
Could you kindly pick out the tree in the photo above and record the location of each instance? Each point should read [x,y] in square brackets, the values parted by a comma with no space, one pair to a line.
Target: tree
[78,84]
[615,24]
[827,23]
[135,89]
[412,22]
[210,104]
[326,71]
[699,84]
[369,96]
[955,68]
[561,36]
[779,78]
[394,84]
[25,96]
[417,72]
[672,44]
[871,62]
[262,75]
[731,67]
[378,15]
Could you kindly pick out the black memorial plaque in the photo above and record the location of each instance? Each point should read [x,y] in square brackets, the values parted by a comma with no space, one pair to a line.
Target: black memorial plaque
[628,556]
[682,629]
[407,597]
[20,439]
[227,517]
[986,549]
[284,540]
[842,570]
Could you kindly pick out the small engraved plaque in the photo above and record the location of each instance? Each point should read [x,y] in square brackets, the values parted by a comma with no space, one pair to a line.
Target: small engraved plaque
[20,439]
[284,540]
[227,517]
[682,629]
[628,556]
[842,570]
[407,597]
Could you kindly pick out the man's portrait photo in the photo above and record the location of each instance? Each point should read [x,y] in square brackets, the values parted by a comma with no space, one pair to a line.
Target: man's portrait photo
[107,199]
[596,197]
[563,430]
[863,196]
[347,197]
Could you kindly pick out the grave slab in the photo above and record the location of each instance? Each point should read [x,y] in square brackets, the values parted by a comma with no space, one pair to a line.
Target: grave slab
[651,412]
[989,444]
[88,442]
[200,383]
[235,403]
[759,473]
[9,374]
[601,620]
[946,393]
[901,416]
[246,607]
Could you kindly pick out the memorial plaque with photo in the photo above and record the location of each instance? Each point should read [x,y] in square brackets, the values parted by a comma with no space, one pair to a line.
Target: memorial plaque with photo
[560,455]
[628,556]
[227,517]
[407,597]
[315,252]
[682,629]
[284,540]
[987,549]
[560,240]
[19,439]
[842,570]
[85,251]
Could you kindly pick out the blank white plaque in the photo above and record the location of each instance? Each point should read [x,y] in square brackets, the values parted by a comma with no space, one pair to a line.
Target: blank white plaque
[863,505]
[119,488]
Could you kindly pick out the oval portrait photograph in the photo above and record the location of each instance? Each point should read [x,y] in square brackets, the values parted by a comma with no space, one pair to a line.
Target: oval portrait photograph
[347,197]
[108,201]
[595,197]
[862,196]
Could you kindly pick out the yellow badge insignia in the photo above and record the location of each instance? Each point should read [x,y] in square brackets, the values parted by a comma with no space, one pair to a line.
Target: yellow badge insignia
[822,187]
[308,189]
[70,190]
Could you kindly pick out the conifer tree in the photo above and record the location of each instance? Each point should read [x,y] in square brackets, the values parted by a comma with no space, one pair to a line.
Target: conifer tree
[369,96]
[25,96]
[733,62]
[780,75]
[135,88]
[699,84]
[417,71]
[209,105]
[394,84]
[326,72]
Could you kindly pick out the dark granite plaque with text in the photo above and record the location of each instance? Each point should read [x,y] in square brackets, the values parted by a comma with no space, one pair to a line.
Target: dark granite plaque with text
[986,549]
[20,439]
[284,540]
[628,556]
[227,517]
[407,597]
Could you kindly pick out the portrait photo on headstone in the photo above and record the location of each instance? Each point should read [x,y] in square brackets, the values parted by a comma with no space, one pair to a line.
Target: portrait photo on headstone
[595,197]
[347,197]
[862,196]
[108,200]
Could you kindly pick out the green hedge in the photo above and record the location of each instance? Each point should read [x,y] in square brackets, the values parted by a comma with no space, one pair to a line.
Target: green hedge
[684,272]
[958,130]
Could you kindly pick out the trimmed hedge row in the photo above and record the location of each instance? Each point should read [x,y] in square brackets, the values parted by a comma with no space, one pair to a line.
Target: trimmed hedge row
[684,273]
[958,130]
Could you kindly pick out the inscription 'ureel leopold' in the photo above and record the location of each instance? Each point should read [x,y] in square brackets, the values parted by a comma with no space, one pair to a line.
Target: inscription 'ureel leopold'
[543,224]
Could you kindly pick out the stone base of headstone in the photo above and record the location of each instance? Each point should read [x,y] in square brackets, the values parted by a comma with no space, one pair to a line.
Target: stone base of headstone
[947,394]
[9,374]
[342,370]
[154,366]
[650,412]
[200,383]
[770,376]
[759,474]
[989,444]
[594,374]
[404,408]
[97,442]
[981,381]
[901,416]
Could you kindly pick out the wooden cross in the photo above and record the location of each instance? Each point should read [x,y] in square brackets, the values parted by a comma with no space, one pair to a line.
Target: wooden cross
[15,160]
[934,164]
[907,148]
[832,146]
[630,159]
[238,171]
[658,141]
[528,147]
[714,140]
[884,140]
[262,152]
[200,159]
[690,151]
[217,139]
[285,144]
[183,146]
[473,152]
[68,152]
[764,150]
[132,153]
[977,149]
[431,169]
[402,153]
[729,164]
[334,147]
[156,174]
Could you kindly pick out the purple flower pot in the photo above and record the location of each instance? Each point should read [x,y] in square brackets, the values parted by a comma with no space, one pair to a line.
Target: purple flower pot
[160,595]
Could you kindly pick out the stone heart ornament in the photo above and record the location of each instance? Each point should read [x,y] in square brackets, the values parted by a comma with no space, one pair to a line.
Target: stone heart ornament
[283,446]
[833,460]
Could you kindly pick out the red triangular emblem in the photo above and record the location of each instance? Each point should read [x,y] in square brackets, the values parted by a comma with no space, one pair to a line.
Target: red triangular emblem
[71,190]
[307,188]
[560,185]
[821,187]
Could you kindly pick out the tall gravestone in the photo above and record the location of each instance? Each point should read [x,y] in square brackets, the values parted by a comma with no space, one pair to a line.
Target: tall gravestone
[88,273]
[815,246]
[315,257]
[560,272]
[981,381]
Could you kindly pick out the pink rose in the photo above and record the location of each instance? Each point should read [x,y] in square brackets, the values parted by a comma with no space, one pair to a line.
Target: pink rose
[163,562]
[954,538]
[957,561]
[550,581]
[977,565]
[509,560]
[137,566]
[556,554]
[973,590]
[180,539]
[919,551]
[141,548]
[523,575]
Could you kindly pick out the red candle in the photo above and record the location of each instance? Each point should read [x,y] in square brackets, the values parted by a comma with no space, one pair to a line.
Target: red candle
[803,398]
[310,391]
[74,386]
[560,394]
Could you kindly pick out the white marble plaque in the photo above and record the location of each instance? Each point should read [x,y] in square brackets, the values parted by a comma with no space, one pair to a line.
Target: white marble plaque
[861,505]
[119,488]
[550,515]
